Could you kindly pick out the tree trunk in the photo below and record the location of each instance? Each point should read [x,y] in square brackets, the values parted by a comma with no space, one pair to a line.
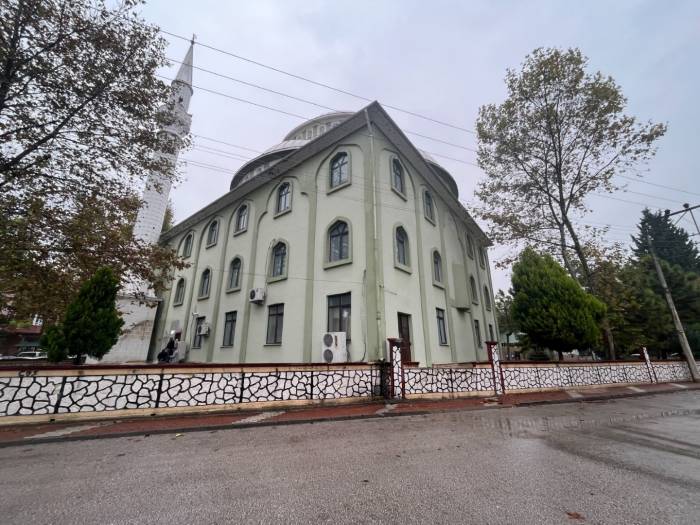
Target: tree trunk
[561,355]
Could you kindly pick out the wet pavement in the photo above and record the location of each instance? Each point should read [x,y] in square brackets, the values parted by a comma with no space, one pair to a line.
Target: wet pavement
[633,460]
[90,428]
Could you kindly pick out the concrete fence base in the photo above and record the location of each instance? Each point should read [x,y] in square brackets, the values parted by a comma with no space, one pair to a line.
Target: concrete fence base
[55,392]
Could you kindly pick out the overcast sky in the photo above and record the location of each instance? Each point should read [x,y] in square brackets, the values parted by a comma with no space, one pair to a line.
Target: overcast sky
[442,59]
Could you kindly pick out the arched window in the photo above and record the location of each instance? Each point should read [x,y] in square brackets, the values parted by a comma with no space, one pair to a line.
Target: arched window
[397,178]
[475,291]
[279,260]
[338,242]
[234,274]
[213,233]
[339,170]
[402,256]
[437,267]
[205,284]
[284,197]
[470,246]
[242,218]
[428,206]
[487,298]
[187,246]
[482,257]
[179,292]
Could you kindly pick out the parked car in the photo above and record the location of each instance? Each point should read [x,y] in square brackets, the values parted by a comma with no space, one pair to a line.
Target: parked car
[31,354]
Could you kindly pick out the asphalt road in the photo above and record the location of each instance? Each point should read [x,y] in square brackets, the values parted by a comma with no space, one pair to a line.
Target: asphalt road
[625,461]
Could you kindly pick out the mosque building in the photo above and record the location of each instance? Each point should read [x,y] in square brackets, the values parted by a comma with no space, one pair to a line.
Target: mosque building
[343,227]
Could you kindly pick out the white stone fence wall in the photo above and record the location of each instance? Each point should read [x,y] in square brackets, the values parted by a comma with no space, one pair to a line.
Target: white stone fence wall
[48,391]
[496,377]
[45,391]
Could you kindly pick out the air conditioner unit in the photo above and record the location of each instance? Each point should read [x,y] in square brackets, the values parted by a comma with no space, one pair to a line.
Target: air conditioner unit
[334,348]
[203,329]
[257,295]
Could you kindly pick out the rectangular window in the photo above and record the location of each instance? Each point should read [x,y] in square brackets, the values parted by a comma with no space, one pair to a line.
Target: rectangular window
[229,328]
[197,337]
[442,332]
[339,314]
[477,332]
[491,335]
[275,320]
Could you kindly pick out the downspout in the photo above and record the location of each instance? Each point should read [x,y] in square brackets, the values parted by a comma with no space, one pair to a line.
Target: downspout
[379,316]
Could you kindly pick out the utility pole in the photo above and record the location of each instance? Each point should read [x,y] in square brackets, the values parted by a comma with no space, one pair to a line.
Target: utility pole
[687,208]
[676,320]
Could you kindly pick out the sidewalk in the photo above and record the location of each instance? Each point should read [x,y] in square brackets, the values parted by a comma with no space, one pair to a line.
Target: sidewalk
[72,431]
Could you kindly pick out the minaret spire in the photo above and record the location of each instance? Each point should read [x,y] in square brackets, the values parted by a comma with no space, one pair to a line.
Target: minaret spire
[184,74]
[155,196]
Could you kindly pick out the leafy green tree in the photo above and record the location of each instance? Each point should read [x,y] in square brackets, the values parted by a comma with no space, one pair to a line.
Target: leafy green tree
[551,307]
[504,311]
[560,135]
[649,310]
[92,322]
[671,243]
[80,111]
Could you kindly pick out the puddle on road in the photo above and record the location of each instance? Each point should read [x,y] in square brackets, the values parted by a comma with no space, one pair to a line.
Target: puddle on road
[525,426]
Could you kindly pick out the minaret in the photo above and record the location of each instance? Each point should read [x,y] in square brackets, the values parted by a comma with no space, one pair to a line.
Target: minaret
[149,221]
[136,301]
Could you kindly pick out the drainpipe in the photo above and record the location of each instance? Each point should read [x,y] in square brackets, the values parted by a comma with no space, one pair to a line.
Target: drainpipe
[374,225]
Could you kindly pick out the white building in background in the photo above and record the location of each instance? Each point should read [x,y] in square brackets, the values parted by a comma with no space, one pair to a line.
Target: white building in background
[137,302]
[342,227]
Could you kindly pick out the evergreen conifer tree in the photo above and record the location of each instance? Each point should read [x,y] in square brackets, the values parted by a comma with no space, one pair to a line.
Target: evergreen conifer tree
[551,307]
[92,322]
[671,243]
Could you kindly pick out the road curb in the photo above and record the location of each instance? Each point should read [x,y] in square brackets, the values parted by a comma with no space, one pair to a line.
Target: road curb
[210,428]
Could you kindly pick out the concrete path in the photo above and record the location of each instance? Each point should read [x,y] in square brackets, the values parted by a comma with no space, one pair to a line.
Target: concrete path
[633,460]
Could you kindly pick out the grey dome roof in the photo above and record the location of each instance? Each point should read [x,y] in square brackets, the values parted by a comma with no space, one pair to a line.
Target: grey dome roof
[305,133]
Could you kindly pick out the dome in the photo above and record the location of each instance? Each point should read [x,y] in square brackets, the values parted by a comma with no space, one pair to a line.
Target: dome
[305,133]
[295,139]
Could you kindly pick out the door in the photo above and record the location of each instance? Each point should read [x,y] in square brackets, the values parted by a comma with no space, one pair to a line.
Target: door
[405,336]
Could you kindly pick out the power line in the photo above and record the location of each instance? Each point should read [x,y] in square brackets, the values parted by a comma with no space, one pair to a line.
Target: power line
[225,143]
[658,185]
[320,84]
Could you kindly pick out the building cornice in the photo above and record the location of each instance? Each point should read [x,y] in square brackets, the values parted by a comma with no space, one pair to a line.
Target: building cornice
[389,129]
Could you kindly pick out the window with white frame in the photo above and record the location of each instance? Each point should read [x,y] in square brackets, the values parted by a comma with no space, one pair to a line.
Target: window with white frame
[179,292]
[284,197]
[338,242]
[339,170]
[197,336]
[428,206]
[229,328]
[213,233]
[187,245]
[437,267]
[487,298]
[470,246]
[401,241]
[205,284]
[275,322]
[234,274]
[442,330]
[339,307]
[279,260]
[398,181]
[475,290]
[477,333]
[242,218]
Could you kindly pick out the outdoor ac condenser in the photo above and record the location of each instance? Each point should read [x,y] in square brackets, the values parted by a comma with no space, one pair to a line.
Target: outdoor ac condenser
[203,329]
[334,348]
[257,295]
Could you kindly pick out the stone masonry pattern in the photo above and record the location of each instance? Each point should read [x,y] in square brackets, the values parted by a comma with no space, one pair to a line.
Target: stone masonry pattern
[28,393]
